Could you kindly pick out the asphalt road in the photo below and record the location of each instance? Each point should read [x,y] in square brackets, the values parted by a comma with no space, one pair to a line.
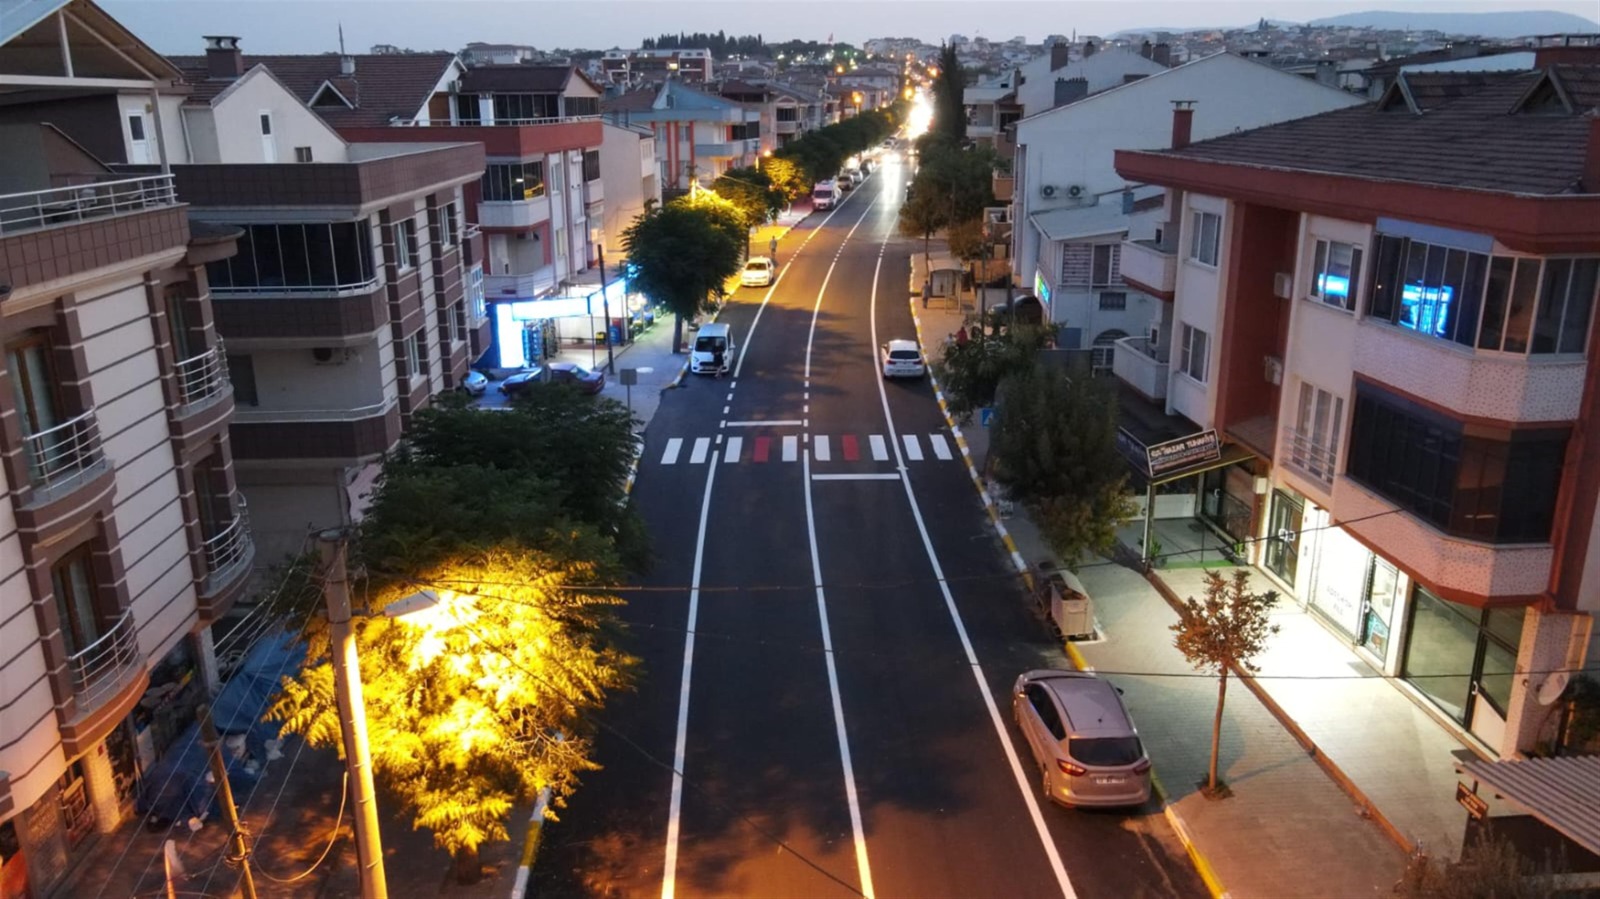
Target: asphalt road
[848,739]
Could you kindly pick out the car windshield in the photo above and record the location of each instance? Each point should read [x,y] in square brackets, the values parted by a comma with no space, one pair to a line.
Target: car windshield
[904,355]
[756,267]
[709,344]
[1105,752]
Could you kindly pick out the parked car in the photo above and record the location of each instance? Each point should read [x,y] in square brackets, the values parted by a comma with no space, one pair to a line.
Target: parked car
[856,176]
[824,195]
[1082,738]
[844,183]
[476,383]
[757,272]
[902,359]
[522,380]
[590,382]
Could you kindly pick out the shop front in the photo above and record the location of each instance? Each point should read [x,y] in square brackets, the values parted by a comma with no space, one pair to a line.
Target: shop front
[1463,659]
[528,332]
[1198,502]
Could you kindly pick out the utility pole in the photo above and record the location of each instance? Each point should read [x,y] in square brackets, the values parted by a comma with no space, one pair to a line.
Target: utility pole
[219,770]
[605,306]
[331,547]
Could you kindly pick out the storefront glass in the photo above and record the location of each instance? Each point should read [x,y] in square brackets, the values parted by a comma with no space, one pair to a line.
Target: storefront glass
[1377,605]
[1455,651]
[1282,558]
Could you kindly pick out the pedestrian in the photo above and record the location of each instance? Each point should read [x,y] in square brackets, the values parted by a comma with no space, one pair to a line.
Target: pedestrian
[716,360]
[927,290]
[961,336]
[772,249]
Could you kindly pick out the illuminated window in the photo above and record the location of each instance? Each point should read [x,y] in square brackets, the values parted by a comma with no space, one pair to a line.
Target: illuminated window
[1336,273]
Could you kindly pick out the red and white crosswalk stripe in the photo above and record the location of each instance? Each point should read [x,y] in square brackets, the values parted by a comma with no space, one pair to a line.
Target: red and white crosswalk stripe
[786,448]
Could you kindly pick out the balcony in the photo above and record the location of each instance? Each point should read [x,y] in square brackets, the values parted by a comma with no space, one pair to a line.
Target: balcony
[1151,267]
[229,552]
[34,210]
[1142,367]
[1308,457]
[790,127]
[518,214]
[596,190]
[63,457]
[202,380]
[471,245]
[98,671]
[325,435]
[519,287]
[1003,184]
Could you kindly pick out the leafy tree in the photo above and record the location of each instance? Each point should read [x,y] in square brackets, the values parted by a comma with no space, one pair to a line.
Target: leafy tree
[682,254]
[949,104]
[921,215]
[786,177]
[967,239]
[962,178]
[1054,448]
[970,373]
[1225,632]
[752,194]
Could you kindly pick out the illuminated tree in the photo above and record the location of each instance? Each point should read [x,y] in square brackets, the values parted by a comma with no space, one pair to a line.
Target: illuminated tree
[683,253]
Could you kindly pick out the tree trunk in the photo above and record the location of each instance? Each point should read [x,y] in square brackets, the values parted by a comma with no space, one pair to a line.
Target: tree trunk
[1216,726]
[927,265]
[467,868]
[677,332]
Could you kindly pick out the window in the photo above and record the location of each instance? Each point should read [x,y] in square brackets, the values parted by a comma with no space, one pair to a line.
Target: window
[1104,351]
[1113,300]
[591,165]
[447,225]
[414,355]
[330,256]
[1456,653]
[1483,483]
[269,147]
[467,110]
[1336,273]
[1195,349]
[459,315]
[302,154]
[405,237]
[72,580]
[513,181]
[266,124]
[1039,698]
[512,108]
[1314,446]
[1104,270]
[580,106]
[33,384]
[1204,237]
[1493,303]
[242,372]
[136,127]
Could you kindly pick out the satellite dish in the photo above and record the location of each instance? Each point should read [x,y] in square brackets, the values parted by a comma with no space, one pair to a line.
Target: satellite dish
[1550,691]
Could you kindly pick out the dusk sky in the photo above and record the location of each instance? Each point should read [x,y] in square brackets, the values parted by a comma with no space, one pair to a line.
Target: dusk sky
[299,26]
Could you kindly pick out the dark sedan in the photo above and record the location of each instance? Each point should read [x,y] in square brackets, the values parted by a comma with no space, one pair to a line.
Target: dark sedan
[586,381]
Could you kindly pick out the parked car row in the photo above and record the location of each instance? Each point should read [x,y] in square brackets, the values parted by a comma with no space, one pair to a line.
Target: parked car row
[572,374]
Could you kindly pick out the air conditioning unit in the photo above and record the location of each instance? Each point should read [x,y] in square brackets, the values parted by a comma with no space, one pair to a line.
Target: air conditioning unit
[1048,191]
[1283,285]
[1077,192]
[1273,369]
[331,355]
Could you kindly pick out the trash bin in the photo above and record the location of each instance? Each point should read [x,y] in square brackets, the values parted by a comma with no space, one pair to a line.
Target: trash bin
[1071,609]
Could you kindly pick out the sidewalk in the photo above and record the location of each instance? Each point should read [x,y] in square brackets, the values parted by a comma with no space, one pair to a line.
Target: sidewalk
[1290,829]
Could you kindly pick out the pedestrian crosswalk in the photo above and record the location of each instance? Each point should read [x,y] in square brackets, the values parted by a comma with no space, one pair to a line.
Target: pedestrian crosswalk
[824,448]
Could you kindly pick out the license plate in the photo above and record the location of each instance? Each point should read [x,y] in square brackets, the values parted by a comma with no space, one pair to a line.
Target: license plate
[1109,779]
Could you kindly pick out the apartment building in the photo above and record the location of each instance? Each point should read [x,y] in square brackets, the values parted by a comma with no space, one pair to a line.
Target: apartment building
[635,67]
[352,299]
[1387,315]
[698,135]
[626,149]
[123,537]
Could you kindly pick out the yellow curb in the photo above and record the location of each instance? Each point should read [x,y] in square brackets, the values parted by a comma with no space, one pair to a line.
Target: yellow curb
[1010,544]
[1208,876]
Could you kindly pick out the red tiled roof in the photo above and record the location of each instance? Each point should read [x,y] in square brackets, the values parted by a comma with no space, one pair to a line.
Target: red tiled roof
[383,87]
[1512,132]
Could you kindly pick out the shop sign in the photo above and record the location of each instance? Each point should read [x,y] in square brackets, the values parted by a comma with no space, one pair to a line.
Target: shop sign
[1183,452]
[1341,578]
[1475,805]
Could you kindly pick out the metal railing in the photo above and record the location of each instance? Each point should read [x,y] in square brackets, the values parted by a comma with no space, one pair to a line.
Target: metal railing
[98,670]
[477,123]
[1309,457]
[230,550]
[270,415]
[365,286]
[37,209]
[63,454]
[203,379]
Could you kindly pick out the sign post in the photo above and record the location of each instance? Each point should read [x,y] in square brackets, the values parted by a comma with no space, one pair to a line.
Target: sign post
[630,377]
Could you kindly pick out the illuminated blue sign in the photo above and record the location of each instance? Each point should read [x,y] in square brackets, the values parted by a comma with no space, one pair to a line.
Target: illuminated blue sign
[1333,286]
[1426,309]
[1041,289]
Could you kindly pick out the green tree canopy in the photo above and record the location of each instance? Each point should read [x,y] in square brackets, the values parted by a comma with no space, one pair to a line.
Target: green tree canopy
[683,253]
[949,101]
[970,373]
[922,214]
[962,178]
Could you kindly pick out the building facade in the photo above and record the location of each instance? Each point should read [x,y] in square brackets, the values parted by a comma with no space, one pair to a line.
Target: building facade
[698,135]
[634,67]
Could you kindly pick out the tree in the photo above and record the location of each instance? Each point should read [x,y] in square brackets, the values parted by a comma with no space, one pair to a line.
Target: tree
[786,177]
[949,102]
[1054,448]
[1225,632]
[967,239]
[971,373]
[964,178]
[920,216]
[681,254]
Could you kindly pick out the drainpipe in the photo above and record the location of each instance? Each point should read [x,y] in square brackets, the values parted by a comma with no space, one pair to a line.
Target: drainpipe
[161,132]
[66,47]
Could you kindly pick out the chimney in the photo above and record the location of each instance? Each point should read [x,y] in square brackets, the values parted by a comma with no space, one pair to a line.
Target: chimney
[1145,49]
[347,66]
[1182,123]
[1070,90]
[1060,55]
[1162,54]
[223,59]
[1591,156]
[1089,49]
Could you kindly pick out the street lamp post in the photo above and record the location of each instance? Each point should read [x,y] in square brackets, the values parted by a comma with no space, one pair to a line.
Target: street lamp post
[605,305]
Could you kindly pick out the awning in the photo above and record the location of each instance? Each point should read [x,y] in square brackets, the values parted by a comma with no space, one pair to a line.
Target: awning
[1562,792]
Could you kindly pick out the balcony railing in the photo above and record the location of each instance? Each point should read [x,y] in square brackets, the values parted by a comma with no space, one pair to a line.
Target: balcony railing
[474,123]
[230,550]
[62,456]
[1310,458]
[298,415]
[514,213]
[83,202]
[523,286]
[100,669]
[1150,265]
[1142,367]
[202,379]
[296,290]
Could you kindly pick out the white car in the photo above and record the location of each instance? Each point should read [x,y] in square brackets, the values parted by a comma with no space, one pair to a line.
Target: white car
[757,272]
[902,359]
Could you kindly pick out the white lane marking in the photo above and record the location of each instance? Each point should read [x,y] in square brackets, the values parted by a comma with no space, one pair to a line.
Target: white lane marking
[702,445]
[880,450]
[766,423]
[735,444]
[725,409]
[791,448]
[913,448]
[816,309]
[819,447]
[729,398]
[673,447]
[806,408]
[719,440]
[1024,780]
[669,870]
[862,866]
[882,476]
[941,447]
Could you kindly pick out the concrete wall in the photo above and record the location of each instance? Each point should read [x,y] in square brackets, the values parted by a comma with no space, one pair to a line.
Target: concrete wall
[625,158]
[1198,305]
[236,125]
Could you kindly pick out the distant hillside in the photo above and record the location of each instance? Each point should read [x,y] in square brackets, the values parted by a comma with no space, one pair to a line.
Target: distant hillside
[1483,24]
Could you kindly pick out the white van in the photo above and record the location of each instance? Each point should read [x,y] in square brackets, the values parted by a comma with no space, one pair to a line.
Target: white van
[713,350]
[824,195]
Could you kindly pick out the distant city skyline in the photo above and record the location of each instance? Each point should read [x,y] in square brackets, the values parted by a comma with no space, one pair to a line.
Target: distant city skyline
[303,26]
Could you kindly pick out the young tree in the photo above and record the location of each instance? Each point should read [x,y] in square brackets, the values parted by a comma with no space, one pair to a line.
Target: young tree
[966,239]
[1230,628]
[920,216]
[1054,449]
[682,254]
